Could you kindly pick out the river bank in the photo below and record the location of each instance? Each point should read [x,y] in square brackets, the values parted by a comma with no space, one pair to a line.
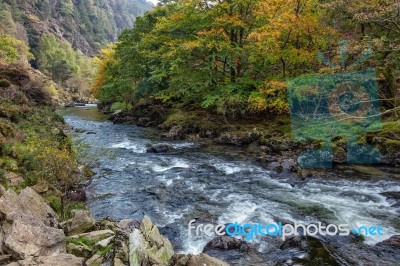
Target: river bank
[266,139]
[212,183]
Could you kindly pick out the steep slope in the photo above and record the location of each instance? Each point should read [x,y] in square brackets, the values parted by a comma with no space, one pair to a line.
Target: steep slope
[63,35]
[87,25]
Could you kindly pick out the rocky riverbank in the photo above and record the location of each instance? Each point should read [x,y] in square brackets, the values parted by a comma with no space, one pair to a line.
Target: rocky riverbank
[30,234]
[267,140]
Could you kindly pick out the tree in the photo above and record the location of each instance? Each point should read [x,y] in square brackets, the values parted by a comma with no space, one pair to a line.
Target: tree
[57,58]
[373,24]
[12,50]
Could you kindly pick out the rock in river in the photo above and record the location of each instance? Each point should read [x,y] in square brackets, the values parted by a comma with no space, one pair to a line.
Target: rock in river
[160,148]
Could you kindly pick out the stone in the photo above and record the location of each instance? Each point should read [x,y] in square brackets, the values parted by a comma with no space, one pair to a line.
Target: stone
[28,202]
[196,260]
[121,246]
[41,187]
[105,242]
[393,242]
[204,259]
[160,148]
[95,236]
[224,242]
[33,203]
[59,260]
[128,225]
[234,251]
[5,259]
[176,132]
[294,242]
[143,122]
[2,190]
[96,260]
[9,203]
[230,139]
[80,250]
[29,236]
[13,179]
[118,262]
[80,222]
[147,246]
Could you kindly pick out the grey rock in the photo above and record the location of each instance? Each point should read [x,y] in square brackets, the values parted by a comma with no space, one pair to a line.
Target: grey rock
[28,202]
[80,222]
[80,250]
[160,148]
[95,236]
[148,247]
[105,242]
[196,260]
[176,132]
[59,260]
[96,260]
[29,236]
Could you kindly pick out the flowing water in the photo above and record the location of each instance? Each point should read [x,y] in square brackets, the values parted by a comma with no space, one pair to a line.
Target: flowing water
[215,182]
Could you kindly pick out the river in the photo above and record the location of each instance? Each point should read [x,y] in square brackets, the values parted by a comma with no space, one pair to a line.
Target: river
[216,182]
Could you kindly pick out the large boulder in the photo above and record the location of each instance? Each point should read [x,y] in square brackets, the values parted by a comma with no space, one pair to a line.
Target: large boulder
[234,251]
[204,259]
[80,222]
[148,247]
[28,202]
[59,260]
[196,260]
[29,236]
[393,242]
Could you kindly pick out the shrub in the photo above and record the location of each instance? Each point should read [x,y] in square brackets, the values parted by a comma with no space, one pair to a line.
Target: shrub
[121,106]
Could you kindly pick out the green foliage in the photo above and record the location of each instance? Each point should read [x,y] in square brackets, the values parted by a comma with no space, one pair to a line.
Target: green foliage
[12,50]
[81,240]
[60,61]
[216,55]
[55,203]
[121,106]
[57,58]
[233,57]
[33,146]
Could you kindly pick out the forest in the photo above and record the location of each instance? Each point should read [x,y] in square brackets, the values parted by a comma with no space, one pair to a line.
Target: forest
[234,57]
[60,37]
[126,126]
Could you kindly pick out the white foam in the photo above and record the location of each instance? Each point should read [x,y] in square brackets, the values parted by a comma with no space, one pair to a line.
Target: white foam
[129,146]
[183,145]
[174,164]
[239,211]
[228,168]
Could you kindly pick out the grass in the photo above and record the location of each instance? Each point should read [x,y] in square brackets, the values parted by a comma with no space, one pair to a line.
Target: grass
[81,240]
[104,250]
[55,203]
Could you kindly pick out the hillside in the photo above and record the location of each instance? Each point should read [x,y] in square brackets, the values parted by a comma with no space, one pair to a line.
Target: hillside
[60,37]
[87,25]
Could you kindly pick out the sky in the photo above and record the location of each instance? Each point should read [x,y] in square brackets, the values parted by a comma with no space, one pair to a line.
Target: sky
[153,1]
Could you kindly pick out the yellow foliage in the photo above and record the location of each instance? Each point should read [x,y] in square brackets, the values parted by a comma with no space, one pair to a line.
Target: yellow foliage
[270,96]
[106,56]
[33,18]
